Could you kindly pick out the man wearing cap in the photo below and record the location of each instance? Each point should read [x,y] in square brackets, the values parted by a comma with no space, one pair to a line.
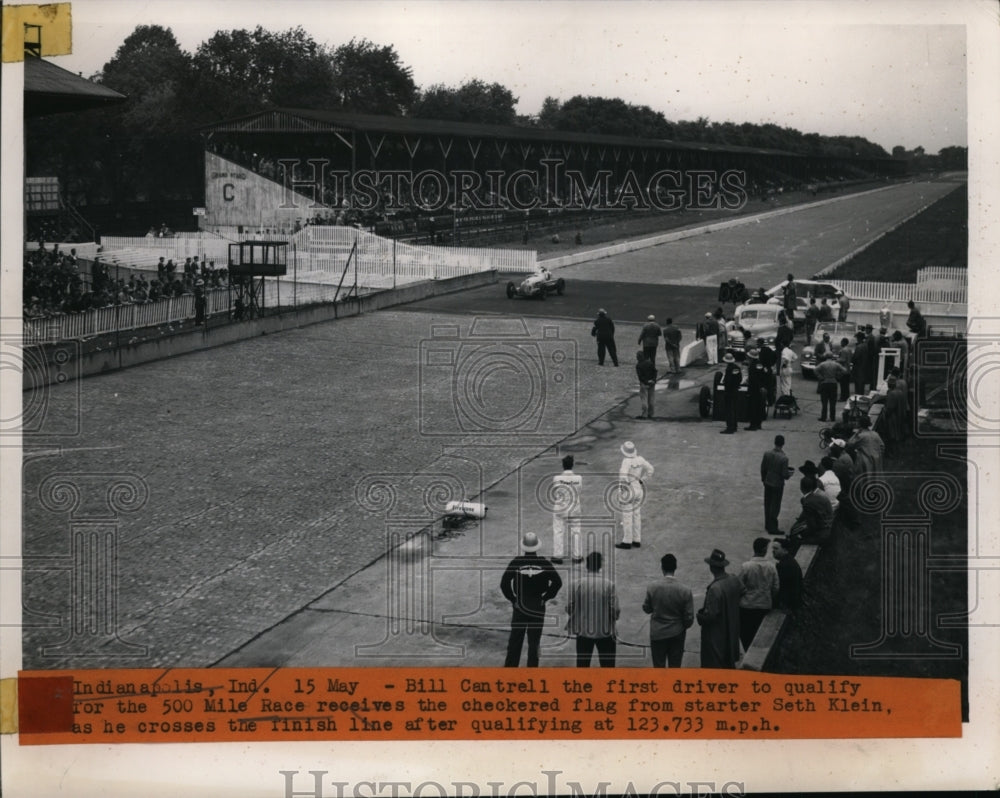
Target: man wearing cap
[529,581]
[566,512]
[774,472]
[634,470]
[604,331]
[731,381]
[593,609]
[711,327]
[649,338]
[756,391]
[670,606]
[719,616]
[759,576]
[672,345]
[645,370]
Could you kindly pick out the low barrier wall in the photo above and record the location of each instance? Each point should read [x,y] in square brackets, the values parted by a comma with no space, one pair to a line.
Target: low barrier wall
[50,365]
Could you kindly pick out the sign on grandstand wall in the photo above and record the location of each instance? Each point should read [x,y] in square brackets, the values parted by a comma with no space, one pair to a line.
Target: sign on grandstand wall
[239,197]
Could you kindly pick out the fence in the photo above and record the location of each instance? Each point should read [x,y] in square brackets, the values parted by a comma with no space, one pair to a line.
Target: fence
[948,274]
[860,289]
[120,318]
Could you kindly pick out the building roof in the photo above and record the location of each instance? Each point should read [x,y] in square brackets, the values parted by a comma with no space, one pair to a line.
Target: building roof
[50,89]
[309,120]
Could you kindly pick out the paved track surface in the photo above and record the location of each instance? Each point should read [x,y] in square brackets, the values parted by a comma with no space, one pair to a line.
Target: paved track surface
[273,475]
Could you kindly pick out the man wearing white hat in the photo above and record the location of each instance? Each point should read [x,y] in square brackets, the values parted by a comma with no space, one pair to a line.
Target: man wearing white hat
[529,581]
[634,470]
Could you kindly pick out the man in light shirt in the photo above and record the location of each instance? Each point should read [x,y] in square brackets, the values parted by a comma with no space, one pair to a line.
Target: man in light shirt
[634,470]
[566,512]
[759,576]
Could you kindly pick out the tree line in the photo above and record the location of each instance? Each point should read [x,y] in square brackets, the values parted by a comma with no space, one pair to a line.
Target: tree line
[148,148]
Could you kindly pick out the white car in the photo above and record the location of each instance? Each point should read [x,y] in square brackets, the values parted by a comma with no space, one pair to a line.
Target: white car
[538,285]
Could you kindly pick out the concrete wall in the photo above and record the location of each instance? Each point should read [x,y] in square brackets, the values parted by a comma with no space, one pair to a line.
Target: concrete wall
[49,365]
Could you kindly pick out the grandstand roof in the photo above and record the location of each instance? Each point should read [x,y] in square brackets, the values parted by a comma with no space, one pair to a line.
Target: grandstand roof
[307,120]
[49,89]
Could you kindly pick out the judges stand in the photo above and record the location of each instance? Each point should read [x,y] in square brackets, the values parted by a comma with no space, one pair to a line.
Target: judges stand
[249,263]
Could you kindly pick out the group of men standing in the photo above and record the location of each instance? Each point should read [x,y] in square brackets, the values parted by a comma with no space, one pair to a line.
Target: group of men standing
[732,611]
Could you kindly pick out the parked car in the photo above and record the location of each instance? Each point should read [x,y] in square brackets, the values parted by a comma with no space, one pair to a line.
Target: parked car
[761,321]
[837,330]
[539,284]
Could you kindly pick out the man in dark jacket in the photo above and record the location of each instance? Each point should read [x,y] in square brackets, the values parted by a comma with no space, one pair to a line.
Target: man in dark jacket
[672,345]
[719,616]
[789,576]
[859,364]
[604,331]
[649,338]
[756,391]
[784,336]
[529,581]
[731,382]
[774,471]
[645,370]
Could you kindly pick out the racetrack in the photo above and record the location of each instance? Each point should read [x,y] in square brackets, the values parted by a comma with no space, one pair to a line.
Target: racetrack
[248,458]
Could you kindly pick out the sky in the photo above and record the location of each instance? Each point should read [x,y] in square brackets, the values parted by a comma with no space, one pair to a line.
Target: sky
[891,72]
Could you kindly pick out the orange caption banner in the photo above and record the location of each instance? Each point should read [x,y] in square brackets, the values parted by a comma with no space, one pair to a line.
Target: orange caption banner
[262,704]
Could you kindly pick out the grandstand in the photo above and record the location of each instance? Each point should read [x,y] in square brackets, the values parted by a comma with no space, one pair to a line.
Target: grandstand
[284,168]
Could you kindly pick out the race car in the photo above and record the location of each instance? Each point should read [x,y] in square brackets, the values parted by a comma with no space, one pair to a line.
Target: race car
[540,284]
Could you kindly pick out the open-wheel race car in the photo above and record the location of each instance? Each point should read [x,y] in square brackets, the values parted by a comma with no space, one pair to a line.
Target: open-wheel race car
[540,284]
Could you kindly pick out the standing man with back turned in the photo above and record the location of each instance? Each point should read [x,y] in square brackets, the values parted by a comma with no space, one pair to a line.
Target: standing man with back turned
[529,581]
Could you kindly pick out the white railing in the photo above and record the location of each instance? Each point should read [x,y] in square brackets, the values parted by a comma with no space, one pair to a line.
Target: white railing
[944,274]
[123,318]
[861,289]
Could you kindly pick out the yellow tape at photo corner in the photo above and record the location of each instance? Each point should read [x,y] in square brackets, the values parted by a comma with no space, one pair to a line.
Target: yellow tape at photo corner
[55,19]
[8,706]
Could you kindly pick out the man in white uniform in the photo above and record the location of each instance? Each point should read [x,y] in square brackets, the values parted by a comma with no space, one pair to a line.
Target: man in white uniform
[566,512]
[634,470]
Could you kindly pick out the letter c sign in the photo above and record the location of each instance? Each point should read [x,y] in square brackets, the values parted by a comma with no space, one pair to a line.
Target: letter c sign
[228,192]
